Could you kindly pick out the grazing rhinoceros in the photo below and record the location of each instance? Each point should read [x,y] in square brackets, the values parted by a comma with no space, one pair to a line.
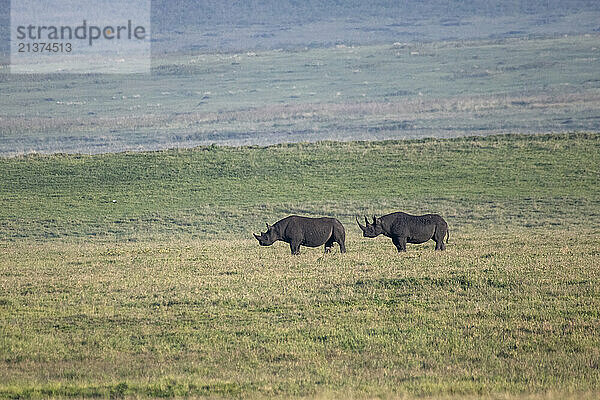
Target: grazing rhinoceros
[304,231]
[404,228]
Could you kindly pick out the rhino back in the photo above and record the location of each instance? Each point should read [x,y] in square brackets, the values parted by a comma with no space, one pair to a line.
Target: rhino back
[311,232]
[419,228]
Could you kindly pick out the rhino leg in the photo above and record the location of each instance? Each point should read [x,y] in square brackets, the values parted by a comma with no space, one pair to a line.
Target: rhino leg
[295,248]
[329,245]
[438,237]
[400,243]
[439,244]
[339,236]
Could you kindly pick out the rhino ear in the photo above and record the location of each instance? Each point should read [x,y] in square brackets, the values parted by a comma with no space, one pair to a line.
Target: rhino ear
[268,226]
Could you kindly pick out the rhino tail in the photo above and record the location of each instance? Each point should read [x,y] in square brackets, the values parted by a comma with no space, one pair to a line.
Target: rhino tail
[447,235]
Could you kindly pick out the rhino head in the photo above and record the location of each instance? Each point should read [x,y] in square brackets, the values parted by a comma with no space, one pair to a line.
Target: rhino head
[371,230]
[267,238]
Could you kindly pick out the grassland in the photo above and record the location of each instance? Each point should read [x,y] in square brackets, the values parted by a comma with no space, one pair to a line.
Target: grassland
[537,181]
[406,90]
[134,274]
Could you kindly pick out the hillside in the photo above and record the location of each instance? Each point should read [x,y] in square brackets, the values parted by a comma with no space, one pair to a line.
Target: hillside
[213,26]
[477,183]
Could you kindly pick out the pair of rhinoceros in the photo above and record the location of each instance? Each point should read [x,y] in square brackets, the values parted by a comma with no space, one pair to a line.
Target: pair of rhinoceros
[402,228]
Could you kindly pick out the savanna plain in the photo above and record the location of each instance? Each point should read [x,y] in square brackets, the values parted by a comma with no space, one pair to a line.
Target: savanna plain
[136,275]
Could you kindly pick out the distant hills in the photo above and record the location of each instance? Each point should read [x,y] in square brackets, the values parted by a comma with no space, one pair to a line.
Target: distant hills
[214,25]
[217,25]
[170,13]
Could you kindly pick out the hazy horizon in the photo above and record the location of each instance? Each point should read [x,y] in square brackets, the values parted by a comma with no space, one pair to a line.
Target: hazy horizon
[212,26]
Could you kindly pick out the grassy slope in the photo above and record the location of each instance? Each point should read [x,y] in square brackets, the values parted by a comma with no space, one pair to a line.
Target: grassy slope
[527,181]
[511,307]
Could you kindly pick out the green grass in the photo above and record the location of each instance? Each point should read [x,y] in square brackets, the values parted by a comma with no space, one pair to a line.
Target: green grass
[164,293]
[545,180]
[505,312]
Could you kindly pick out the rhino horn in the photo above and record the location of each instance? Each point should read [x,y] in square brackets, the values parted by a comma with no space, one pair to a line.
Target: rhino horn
[366,221]
[359,225]
[374,220]
[256,236]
